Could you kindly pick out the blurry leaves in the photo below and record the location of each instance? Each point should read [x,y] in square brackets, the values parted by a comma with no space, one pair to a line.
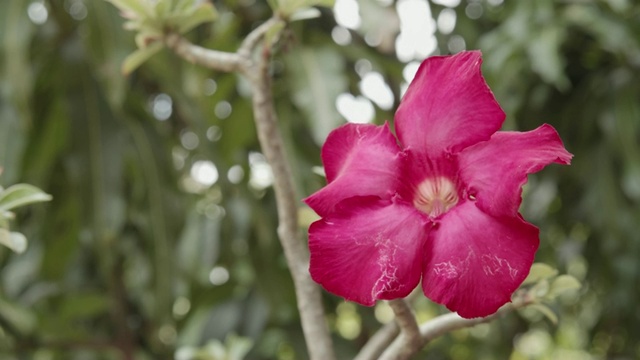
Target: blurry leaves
[317,80]
[21,195]
[543,286]
[297,9]
[538,272]
[13,197]
[152,20]
[138,57]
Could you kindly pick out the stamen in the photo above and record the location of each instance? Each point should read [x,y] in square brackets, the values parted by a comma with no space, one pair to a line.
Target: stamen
[435,196]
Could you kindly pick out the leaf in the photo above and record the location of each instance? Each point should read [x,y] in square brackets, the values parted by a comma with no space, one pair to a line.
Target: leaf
[13,240]
[305,14]
[138,57]
[20,195]
[546,311]
[538,272]
[561,284]
[136,6]
[202,14]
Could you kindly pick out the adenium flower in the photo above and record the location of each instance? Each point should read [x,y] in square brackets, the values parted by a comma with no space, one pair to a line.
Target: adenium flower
[439,203]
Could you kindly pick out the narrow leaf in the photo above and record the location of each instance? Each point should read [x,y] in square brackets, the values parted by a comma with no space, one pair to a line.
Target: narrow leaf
[546,311]
[20,195]
[538,272]
[138,57]
[561,284]
[203,14]
[13,240]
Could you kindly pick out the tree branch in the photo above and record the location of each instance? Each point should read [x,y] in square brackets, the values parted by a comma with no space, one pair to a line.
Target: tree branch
[378,342]
[443,324]
[409,341]
[212,59]
[308,294]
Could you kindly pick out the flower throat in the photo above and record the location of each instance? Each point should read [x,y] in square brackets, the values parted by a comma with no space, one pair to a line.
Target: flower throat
[435,196]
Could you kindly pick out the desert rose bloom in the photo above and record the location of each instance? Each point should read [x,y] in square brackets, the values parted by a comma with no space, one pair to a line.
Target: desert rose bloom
[439,203]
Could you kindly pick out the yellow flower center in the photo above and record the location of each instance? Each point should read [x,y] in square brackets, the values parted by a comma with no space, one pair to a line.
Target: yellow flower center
[435,196]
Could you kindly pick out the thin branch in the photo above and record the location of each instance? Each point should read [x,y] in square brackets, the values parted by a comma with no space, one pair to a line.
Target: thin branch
[308,294]
[443,324]
[212,59]
[378,342]
[251,41]
[409,341]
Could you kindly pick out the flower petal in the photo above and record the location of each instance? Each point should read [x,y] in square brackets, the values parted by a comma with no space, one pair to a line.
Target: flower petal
[448,106]
[474,261]
[494,171]
[368,249]
[359,160]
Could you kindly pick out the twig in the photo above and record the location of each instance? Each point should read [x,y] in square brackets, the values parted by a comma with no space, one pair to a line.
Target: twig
[409,341]
[212,59]
[443,324]
[378,342]
[251,41]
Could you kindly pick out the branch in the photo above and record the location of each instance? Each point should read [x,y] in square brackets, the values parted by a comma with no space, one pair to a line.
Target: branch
[212,59]
[409,341]
[308,294]
[443,324]
[251,41]
[378,342]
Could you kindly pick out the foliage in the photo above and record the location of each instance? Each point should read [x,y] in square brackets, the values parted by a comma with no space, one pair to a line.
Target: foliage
[136,254]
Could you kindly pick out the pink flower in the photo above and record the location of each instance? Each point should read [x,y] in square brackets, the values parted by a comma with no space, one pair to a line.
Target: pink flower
[439,203]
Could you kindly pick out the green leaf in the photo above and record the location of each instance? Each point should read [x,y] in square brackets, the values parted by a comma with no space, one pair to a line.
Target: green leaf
[305,14]
[20,195]
[138,57]
[546,311]
[13,240]
[538,272]
[202,14]
[561,284]
[135,6]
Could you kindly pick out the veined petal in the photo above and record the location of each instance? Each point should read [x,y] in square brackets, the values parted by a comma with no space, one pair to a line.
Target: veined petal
[494,171]
[448,106]
[359,160]
[474,261]
[368,249]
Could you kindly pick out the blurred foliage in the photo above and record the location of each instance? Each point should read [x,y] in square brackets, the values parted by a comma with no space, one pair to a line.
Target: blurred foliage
[137,256]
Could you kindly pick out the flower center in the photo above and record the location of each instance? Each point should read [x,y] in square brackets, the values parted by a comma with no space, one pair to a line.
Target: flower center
[435,196]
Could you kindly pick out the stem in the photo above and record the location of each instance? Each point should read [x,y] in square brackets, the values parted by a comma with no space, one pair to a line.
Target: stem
[441,325]
[409,341]
[212,59]
[378,342]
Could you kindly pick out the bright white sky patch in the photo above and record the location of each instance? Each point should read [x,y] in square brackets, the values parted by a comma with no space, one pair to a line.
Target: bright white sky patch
[376,89]
[162,106]
[447,3]
[341,35]
[357,110]
[204,172]
[37,12]
[446,21]
[417,30]
[261,176]
[410,70]
[347,14]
